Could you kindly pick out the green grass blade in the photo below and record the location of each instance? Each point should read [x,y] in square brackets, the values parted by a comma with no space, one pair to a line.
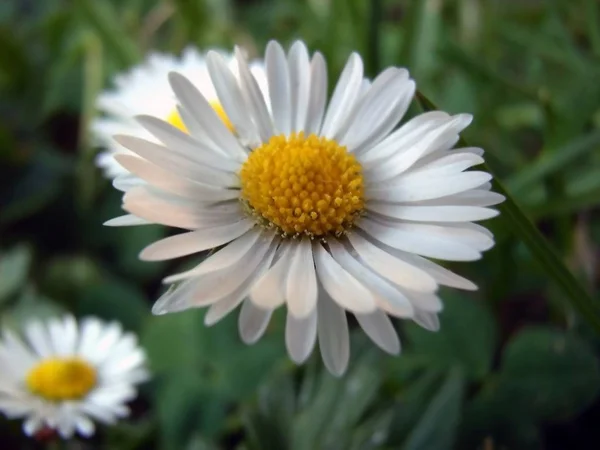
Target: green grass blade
[540,248]
[554,161]
[103,19]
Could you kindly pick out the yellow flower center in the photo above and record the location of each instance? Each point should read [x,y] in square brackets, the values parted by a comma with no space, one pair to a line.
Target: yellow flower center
[175,119]
[59,379]
[303,185]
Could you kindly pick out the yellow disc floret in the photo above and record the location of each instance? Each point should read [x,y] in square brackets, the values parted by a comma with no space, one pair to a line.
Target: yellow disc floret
[303,185]
[175,119]
[60,379]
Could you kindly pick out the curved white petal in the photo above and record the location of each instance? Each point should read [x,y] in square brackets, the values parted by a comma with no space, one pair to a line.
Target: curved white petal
[379,328]
[300,84]
[379,287]
[300,336]
[173,162]
[340,285]
[301,286]
[318,94]
[279,87]
[269,291]
[192,100]
[344,96]
[334,339]
[444,213]
[252,322]
[195,241]
[396,270]
[254,99]
[231,97]
[424,240]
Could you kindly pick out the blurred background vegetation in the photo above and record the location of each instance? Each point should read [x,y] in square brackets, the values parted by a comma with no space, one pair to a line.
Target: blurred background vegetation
[513,367]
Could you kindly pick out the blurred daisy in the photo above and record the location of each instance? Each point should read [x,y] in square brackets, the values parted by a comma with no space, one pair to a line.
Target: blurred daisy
[145,89]
[65,374]
[323,208]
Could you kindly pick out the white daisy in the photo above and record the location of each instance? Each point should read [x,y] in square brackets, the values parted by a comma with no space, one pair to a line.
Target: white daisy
[66,374]
[145,90]
[323,209]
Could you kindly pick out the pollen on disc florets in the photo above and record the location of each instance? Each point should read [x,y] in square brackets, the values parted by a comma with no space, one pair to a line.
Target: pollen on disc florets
[58,379]
[303,185]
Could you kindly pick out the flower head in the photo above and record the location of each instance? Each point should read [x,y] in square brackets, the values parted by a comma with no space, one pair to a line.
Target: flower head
[325,207]
[65,374]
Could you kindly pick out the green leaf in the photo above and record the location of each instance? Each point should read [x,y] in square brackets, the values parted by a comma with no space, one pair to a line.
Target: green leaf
[337,406]
[411,403]
[540,248]
[115,300]
[184,406]
[467,337]
[14,266]
[437,428]
[549,373]
[270,425]
[160,335]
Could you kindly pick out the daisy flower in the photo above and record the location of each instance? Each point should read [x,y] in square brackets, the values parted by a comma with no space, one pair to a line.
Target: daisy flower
[326,207]
[65,374]
[145,89]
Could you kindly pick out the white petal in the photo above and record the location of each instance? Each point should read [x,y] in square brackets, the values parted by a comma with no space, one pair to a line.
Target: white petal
[379,328]
[230,97]
[300,83]
[126,221]
[429,321]
[188,147]
[64,336]
[404,137]
[425,240]
[32,425]
[301,286]
[409,152]
[396,270]
[254,99]
[227,304]
[173,162]
[418,187]
[334,339]
[195,241]
[318,94]
[126,181]
[170,182]
[474,197]
[300,336]
[85,426]
[344,96]
[442,275]
[215,286]
[340,285]
[253,322]
[433,213]
[269,291]
[379,110]
[192,100]
[39,338]
[227,256]
[379,287]
[425,302]
[166,209]
[279,87]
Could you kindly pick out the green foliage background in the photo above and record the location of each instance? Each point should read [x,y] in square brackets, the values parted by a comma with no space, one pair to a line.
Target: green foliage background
[515,365]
